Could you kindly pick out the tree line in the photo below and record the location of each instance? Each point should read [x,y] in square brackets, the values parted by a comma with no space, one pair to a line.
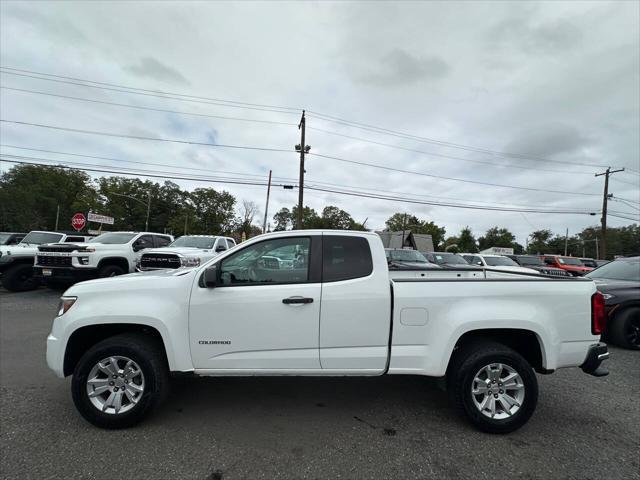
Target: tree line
[32,196]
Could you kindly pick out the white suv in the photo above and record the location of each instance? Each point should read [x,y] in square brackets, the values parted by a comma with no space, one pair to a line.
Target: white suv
[186,251]
[496,262]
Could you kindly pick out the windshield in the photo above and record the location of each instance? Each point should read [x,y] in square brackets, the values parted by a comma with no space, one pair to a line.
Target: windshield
[411,256]
[500,262]
[570,261]
[530,261]
[195,242]
[38,238]
[448,258]
[113,238]
[621,269]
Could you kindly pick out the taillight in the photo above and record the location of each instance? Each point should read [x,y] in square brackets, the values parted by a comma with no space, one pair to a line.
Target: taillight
[598,314]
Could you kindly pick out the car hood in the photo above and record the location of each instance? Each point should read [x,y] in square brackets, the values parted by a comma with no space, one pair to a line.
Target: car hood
[191,251]
[608,284]
[19,249]
[130,282]
[510,268]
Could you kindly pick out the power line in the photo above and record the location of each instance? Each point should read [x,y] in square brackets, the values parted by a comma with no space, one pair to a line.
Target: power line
[146,173]
[282,179]
[294,109]
[139,137]
[390,145]
[189,142]
[139,107]
[626,183]
[381,130]
[148,94]
[441,177]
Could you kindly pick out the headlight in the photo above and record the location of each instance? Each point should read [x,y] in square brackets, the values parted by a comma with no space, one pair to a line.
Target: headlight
[65,304]
[83,260]
[190,262]
[607,296]
[89,249]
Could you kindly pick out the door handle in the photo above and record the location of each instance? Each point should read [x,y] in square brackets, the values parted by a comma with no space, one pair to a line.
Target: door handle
[294,300]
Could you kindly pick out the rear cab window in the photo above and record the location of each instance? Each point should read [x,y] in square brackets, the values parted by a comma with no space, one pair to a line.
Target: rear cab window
[345,257]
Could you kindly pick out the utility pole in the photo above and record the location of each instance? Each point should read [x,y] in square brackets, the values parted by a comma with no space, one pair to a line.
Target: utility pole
[57,216]
[302,148]
[566,239]
[608,172]
[146,224]
[266,207]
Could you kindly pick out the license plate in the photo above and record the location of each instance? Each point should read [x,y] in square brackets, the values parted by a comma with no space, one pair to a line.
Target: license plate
[46,272]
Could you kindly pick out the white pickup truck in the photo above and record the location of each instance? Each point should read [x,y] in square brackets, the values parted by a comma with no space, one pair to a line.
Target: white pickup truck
[332,310]
[107,255]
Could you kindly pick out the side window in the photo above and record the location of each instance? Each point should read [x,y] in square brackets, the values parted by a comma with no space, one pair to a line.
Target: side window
[549,261]
[162,241]
[74,240]
[145,241]
[220,245]
[231,242]
[345,257]
[477,261]
[281,260]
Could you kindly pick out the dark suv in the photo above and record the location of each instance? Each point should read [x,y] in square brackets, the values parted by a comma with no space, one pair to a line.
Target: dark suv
[531,261]
[619,283]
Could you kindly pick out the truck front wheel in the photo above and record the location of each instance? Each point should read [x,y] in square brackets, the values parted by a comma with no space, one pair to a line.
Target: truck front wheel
[118,381]
[110,271]
[494,386]
[19,278]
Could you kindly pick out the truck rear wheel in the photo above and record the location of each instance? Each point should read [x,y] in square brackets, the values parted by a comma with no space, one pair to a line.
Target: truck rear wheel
[118,381]
[494,386]
[624,330]
[19,278]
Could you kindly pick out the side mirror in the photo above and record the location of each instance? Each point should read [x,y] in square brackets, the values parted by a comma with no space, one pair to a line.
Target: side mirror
[210,277]
[220,248]
[139,245]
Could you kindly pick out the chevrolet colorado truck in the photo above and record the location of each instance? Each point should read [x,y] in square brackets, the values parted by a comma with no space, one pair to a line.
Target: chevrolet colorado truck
[186,251]
[332,310]
[107,255]
[16,261]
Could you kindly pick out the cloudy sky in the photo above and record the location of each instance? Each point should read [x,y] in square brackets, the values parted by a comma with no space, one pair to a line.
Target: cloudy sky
[457,89]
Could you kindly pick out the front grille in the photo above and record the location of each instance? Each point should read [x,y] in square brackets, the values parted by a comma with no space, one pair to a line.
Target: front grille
[556,273]
[60,248]
[159,260]
[46,261]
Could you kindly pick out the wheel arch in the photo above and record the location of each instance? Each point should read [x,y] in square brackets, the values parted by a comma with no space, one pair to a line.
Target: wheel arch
[119,261]
[526,342]
[87,336]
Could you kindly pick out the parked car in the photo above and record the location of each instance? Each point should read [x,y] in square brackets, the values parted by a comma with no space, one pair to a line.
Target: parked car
[405,259]
[8,238]
[619,282]
[447,259]
[602,262]
[496,262]
[535,263]
[16,261]
[572,265]
[186,251]
[589,262]
[107,255]
[332,311]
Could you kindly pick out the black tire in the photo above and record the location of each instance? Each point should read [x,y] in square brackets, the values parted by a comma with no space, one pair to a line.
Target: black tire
[467,362]
[624,329]
[19,278]
[148,354]
[110,271]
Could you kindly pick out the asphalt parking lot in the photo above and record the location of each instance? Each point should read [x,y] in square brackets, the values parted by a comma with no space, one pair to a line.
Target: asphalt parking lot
[384,427]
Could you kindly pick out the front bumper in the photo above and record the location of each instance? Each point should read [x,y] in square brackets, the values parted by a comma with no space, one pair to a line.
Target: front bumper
[65,274]
[597,353]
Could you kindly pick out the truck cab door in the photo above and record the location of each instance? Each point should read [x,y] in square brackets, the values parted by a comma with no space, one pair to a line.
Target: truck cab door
[355,319]
[263,314]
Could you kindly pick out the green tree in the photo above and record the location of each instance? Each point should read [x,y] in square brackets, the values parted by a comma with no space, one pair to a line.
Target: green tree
[213,211]
[282,220]
[539,241]
[497,237]
[401,221]
[31,194]
[466,241]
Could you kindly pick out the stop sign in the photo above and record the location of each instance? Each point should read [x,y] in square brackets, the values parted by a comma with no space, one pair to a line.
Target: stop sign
[78,221]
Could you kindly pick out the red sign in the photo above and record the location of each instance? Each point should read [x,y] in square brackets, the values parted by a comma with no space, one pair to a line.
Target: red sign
[78,221]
